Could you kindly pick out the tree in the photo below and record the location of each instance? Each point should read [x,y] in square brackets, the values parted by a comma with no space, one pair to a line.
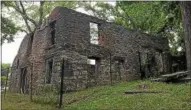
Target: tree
[4,73]
[32,13]
[186,20]
[100,10]
[155,18]
[4,67]
[9,29]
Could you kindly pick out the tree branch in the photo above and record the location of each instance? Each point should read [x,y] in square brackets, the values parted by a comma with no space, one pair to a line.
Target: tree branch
[25,14]
[41,12]
[17,8]
[22,30]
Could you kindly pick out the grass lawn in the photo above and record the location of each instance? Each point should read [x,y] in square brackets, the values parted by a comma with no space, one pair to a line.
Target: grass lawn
[176,97]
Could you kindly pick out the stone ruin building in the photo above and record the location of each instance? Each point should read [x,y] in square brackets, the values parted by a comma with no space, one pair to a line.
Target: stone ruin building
[88,51]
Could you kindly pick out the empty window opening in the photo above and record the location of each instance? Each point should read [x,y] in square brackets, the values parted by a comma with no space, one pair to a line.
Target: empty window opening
[52,24]
[32,36]
[30,44]
[23,80]
[94,33]
[94,67]
[145,64]
[17,63]
[119,59]
[91,61]
[118,67]
[49,71]
[53,32]
[53,37]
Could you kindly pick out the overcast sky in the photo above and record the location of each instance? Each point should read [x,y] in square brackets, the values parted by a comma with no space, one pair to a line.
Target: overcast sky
[9,50]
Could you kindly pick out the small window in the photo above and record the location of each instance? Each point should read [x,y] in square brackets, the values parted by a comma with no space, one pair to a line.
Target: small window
[53,32]
[91,68]
[32,36]
[17,63]
[91,61]
[94,33]
[49,71]
[30,43]
[53,37]
[94,65]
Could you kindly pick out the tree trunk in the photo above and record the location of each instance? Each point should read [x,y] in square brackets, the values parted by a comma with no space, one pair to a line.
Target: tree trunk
[186,20]
[41,13]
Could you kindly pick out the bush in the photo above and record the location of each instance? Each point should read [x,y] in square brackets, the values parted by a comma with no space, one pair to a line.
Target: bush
[3,78]
[46,94]
[46,89]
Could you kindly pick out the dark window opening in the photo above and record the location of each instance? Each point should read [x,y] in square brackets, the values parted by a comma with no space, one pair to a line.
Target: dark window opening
[94,63]
[118,65]
[30,44]
[53,32]
[32,38]
[52,24]
[17,63]
[49,71]
[119,59]
[23,80]
[145,64]
[53,37]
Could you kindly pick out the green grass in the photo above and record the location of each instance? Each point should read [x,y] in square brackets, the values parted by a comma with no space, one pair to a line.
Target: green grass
[177,97]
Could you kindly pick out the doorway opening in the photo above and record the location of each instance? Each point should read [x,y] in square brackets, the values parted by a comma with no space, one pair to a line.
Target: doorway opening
[23,80]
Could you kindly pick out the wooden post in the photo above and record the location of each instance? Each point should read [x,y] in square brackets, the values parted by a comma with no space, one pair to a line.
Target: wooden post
[61,84]
[6,82]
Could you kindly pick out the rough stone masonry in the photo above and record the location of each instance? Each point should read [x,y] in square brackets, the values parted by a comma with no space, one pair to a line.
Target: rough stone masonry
[88,51]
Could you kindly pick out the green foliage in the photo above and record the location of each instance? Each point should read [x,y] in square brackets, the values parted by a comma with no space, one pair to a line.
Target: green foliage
[46,94]
[177,96]
[101,10]
[48,88]
[3,78]
[9,28]
[15,101]
[4,72]
[4,69]
[14,20]
[156,18]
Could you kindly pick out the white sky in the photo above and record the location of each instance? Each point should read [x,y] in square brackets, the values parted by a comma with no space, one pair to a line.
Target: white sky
[9,50]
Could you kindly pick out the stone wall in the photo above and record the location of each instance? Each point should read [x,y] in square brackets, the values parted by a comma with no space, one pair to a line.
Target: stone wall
[21,61]
[117,57]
